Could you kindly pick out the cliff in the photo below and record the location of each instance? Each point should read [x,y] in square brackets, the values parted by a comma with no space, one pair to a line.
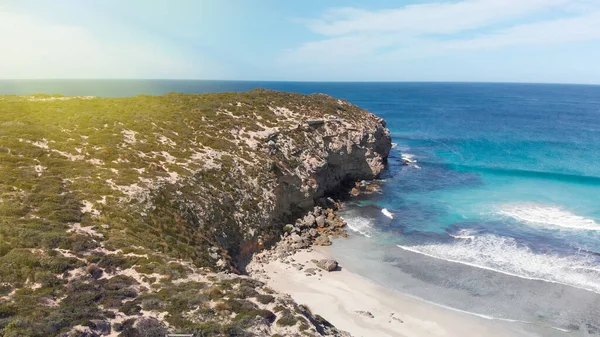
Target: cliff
[126,216]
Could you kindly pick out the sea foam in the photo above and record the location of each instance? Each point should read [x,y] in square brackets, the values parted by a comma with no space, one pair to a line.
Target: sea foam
[464,234]
[548,216]
[408,158]
[387,213]
[505,255]
[361,225]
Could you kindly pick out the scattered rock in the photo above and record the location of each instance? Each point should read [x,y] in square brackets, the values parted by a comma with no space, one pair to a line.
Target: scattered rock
[311,271]
[365,313]
[327,264]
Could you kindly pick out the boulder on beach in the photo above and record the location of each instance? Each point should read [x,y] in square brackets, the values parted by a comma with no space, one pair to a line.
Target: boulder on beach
[327,264]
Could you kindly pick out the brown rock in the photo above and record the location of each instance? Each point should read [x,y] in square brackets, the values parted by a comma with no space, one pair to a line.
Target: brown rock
[373,187]
[327,264]
[323,241]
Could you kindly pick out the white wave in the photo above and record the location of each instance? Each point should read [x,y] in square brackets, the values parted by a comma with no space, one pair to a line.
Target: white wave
[547,216]
[394,145]
[361,225]
[465,234]
[505,255]
[387,213]
[408,158]
[417,166]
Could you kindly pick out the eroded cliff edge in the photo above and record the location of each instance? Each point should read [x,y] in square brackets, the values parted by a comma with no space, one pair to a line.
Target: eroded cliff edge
[117,214]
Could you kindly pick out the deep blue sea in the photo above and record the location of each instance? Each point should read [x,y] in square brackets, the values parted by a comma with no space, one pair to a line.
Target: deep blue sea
[498,211]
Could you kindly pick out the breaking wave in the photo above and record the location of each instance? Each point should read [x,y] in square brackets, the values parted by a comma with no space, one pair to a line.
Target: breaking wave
[465,234]
[361,225]
[548,216]
[387,213]
[408,158]
[505,255]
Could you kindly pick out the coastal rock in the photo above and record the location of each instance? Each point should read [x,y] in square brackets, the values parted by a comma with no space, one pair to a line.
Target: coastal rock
[327,264]
[323,241]
[309,220]
[320,220]
[296,238]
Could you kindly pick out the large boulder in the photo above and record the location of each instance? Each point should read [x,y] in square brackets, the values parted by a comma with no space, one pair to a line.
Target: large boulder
[323,240]
[320,220]
[309,220]
[327,264]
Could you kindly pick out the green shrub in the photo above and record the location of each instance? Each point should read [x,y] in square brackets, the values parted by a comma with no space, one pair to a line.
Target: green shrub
[265,299]
[130,308]
[287,319]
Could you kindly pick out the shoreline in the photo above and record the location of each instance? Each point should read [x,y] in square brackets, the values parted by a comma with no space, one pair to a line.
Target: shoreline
[364,308]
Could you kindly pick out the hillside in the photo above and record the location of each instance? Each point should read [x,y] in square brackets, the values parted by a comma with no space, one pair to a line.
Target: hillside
[134,216]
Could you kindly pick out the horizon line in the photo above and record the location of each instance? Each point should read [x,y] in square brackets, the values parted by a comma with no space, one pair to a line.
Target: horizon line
[292,81]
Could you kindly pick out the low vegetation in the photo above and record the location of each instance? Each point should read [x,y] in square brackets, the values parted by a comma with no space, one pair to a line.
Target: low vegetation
[116,213]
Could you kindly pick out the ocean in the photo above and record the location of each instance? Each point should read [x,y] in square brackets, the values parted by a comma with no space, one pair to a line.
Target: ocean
[497,212]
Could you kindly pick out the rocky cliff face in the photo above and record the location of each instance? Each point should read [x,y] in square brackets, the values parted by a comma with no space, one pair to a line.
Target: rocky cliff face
[333,152]
[118,216]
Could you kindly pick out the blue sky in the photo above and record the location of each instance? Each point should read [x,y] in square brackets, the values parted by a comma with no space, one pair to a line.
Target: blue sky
[454,40]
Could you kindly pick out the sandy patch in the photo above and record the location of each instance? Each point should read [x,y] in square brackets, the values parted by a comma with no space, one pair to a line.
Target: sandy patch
[365,309]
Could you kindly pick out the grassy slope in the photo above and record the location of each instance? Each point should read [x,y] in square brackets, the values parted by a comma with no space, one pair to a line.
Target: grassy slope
[76,178]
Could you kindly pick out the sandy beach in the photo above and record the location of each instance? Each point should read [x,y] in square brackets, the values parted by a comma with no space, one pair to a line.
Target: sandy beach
[365,309]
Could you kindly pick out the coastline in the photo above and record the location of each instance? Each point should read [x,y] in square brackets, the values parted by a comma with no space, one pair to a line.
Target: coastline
[363,308]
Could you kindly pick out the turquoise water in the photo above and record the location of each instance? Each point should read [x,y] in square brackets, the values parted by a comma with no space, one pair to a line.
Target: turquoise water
[498,212]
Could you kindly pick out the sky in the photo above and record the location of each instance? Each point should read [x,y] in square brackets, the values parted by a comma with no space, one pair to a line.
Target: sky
[556,41]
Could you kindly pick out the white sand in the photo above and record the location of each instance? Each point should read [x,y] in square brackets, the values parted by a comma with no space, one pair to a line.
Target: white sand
[338,295]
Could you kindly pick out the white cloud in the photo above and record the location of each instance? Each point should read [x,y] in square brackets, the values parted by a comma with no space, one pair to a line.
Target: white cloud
[35,49]
[433,18]
[382,39]
[546,33]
